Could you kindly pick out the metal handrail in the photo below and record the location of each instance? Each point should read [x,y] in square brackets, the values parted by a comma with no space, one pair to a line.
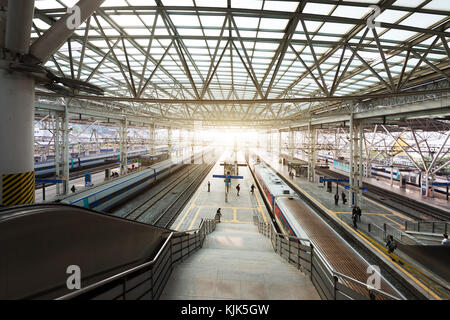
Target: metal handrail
[117,276]
[202,227]
[331,270]
[365,285]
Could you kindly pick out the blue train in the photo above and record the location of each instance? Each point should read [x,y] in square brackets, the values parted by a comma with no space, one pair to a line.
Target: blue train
[106,195]
[45,169]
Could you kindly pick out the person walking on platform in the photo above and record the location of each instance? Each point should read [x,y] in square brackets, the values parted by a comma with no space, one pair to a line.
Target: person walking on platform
[73,189]
[252,189]
[445,241]
[391,245]
[238,188]
[218,215]
[355,211]
[336,199]
[209,186]
[344,198]
[354,219]
[358,213]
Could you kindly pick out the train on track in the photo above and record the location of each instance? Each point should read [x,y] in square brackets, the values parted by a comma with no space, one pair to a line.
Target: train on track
[106,195]
[280,198]
[45,169]
[411,176]
[296,218]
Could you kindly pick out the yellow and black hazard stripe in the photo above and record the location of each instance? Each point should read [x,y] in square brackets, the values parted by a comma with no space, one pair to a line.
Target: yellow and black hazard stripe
[18,188]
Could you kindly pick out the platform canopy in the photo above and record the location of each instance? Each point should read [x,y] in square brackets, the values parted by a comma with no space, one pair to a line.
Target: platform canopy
[258,62]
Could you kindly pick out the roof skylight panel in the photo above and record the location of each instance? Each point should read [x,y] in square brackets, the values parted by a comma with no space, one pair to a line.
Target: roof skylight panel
[40,24]
[409,3]
[137,32]
[47,4]
[246,4]
[335,28]
[68,3]
[351,12]
[181,3]
[422,20]
[141,2]
[443,5]
[399,35]
[209,3]
[272,23]
[114,3]
[270,35]
[288,6]
[390,16]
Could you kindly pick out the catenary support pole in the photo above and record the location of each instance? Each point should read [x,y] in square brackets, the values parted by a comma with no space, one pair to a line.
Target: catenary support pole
[17,120]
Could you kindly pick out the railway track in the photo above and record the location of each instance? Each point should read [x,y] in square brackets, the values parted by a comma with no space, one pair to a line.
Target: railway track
[177,191]
[168,216]
[137,212]
[408,207]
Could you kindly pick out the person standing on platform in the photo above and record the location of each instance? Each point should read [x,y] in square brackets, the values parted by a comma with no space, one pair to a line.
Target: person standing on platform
[209,186]
[445,241]
[238,188]
[218,215]
[336,199]
[344,198]
[252,189]
[354,219]
[73,189]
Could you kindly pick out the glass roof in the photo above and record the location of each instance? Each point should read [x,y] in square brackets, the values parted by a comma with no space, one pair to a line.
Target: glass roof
[238,50]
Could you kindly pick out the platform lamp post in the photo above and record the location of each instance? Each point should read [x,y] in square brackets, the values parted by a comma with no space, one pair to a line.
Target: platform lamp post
[430,169]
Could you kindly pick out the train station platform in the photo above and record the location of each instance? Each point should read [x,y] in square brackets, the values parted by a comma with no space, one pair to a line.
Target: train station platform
[236,262]
[411,192]
[439,201]
[96,179]
[373,213]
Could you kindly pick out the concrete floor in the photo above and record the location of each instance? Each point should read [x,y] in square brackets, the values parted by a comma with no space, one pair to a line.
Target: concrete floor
[238,209]
[236,262]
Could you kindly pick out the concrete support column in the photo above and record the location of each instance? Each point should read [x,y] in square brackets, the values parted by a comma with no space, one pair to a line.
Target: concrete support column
[355,167]
[312,153]
[291,144]
[151,138]
[269,142]
[351,162]
[180,143]
[65,150]
[193,141]
[169,142]
[16,139]
[123,147]
[17,108]
[279,144]
[56,139]
[360,163]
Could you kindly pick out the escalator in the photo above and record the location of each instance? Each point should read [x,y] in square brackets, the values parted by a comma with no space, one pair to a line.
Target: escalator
[39,242]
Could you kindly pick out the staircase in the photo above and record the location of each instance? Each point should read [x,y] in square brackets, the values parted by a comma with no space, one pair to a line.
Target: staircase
[237,262]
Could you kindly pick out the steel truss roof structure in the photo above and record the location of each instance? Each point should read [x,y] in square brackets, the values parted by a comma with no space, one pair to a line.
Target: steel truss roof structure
[252,62]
